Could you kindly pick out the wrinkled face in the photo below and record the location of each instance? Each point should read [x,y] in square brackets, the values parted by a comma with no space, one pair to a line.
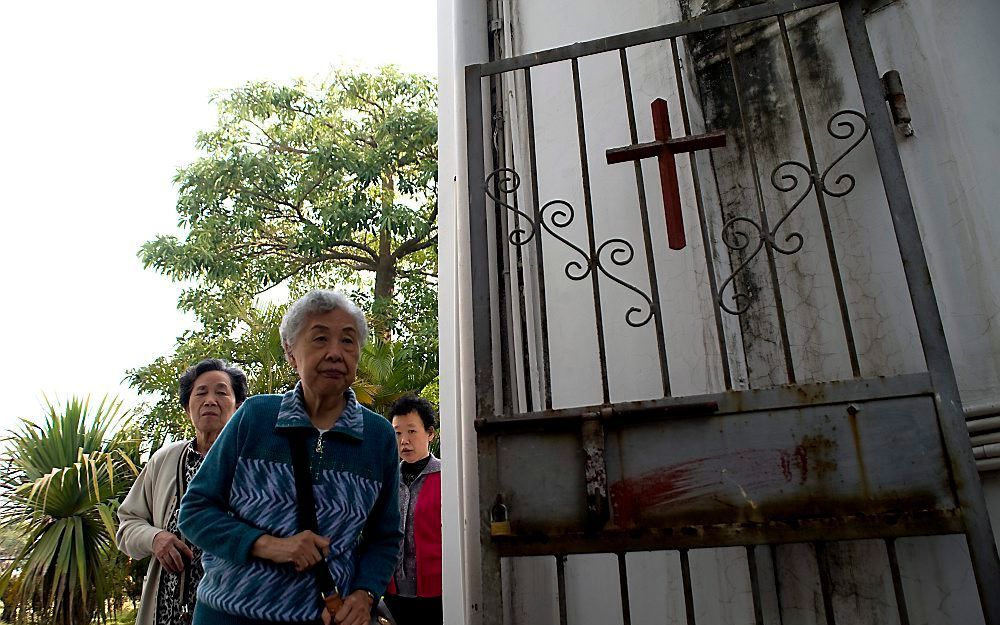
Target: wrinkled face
[325,353]
[413,441]
[212,402]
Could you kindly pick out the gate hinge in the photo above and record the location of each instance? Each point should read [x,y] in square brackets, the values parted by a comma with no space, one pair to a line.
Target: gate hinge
[892,85]
[496,25]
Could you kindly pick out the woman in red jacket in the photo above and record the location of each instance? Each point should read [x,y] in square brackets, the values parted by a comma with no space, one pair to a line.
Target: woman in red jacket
[414,594]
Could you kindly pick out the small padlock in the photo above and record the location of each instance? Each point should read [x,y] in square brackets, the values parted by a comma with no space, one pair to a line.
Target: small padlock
[500,520]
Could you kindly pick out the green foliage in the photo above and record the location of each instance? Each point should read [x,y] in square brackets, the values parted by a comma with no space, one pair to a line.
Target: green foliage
[297,187]
[389,370]
[251,343]
[60,490]
[297,182]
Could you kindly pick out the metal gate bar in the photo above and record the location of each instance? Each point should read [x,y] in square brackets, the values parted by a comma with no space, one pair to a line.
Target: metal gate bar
[985,561]
[838,282]
[623,584]
[688,587]
[614,43]
[758,612]
[539,258]
[773,554]
[654,285]
[825,585]
[786,347]
[706,239]
[819,550]
[561,585]
[591,238]
[897,581]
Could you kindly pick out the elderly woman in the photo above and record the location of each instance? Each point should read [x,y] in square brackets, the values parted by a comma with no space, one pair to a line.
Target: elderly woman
[415,591]
[210,392]
[271,556]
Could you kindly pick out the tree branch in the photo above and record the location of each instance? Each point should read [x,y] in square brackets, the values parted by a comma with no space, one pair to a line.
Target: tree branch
[413,246]
[276,146]
[359,261]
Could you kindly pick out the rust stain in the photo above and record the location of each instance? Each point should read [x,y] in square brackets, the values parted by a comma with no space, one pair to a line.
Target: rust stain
[813,452]
[852,417]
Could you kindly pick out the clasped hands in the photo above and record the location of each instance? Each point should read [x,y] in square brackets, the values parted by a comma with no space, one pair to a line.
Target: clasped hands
[304,550]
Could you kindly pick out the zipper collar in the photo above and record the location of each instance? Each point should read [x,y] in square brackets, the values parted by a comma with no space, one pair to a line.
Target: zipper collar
[292,414]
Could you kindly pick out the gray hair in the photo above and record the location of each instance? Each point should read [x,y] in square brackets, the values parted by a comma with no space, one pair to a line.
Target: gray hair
[315,302]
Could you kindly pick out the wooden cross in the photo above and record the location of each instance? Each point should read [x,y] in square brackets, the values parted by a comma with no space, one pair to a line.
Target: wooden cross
[664,148]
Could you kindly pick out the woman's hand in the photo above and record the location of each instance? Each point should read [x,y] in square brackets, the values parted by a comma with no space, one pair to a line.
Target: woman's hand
[357,609]
[303,550]
[170,551]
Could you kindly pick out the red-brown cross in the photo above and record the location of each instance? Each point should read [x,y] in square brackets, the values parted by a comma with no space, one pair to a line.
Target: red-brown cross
[664,148]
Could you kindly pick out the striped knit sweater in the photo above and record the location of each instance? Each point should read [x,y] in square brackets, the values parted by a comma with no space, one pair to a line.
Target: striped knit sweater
[245,488]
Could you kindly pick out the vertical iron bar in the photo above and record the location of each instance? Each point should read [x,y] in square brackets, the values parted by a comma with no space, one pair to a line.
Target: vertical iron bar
[539,259]
[522,311]
[688,590]
[831,248]
[654,284]
[591,239]
[706,239]
[979,533]
[561,584]
[623,582]
[482,314]
[758,611]
[506,354]
[762,210]
[897,581]
[777,580]
[825,584]
[482,318]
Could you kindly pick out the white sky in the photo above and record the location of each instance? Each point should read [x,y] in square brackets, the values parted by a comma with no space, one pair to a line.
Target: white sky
[100,103]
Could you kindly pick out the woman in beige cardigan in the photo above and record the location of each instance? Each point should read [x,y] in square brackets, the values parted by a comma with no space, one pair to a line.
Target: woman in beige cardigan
[210,392]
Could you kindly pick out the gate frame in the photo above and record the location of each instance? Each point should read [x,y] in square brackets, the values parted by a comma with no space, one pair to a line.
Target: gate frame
[971,501]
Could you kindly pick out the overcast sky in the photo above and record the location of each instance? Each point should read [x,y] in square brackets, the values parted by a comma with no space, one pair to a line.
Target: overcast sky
[100,103]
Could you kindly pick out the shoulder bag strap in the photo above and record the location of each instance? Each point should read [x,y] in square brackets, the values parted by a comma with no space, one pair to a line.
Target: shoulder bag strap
[306,508]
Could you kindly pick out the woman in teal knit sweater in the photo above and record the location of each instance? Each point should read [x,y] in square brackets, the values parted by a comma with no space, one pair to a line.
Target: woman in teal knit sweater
[240,508]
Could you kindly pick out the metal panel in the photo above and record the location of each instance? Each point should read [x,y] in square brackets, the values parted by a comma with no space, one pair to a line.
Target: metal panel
[797,463]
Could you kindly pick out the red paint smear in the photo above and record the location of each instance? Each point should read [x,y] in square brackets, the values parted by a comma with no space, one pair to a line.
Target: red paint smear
[661,486]
[705,476]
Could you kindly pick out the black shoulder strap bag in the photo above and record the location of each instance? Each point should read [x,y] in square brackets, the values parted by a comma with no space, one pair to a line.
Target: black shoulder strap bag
[306,513]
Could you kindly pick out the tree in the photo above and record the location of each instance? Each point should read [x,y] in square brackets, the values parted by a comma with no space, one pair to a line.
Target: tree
[60,491]
[298,187]
[300,184]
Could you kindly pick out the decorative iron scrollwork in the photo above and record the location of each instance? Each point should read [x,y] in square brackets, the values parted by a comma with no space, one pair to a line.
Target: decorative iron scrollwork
[556,215]
[786,178]
[507,181]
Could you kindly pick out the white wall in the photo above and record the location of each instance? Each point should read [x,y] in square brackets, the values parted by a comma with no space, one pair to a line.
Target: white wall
[946,54]
[460,43]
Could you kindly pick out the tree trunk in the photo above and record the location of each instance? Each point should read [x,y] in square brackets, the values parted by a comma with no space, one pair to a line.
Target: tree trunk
[385,270]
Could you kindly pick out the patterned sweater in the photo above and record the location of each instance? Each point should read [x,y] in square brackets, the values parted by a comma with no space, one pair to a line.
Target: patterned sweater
[246,488]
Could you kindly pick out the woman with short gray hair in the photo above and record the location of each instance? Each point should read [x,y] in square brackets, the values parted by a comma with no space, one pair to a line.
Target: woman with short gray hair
[265,559]
[210,392]
[314,303]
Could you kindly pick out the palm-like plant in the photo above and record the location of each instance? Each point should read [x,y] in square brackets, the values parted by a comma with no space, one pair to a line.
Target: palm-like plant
[60,489]
[387,371]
